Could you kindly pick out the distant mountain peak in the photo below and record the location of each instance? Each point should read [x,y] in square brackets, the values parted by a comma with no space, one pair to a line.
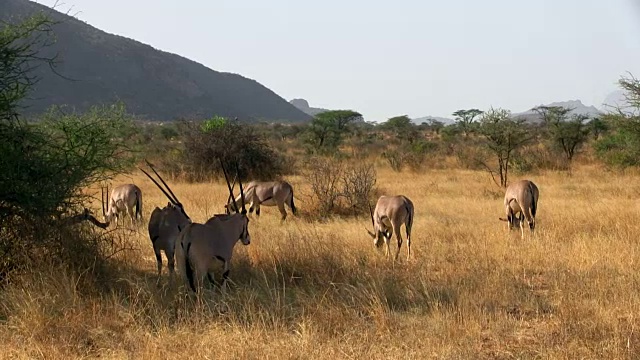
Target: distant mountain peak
[426,119]
[576,106]
[303,105]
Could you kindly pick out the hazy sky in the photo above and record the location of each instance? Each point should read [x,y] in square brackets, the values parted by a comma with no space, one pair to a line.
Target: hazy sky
[387,58]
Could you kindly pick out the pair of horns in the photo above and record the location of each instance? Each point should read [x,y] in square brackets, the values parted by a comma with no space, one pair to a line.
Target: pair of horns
[373,223]
[102,199]
[226,177]
[172,198]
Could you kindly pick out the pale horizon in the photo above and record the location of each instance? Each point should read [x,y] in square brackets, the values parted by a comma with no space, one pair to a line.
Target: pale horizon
[387,59]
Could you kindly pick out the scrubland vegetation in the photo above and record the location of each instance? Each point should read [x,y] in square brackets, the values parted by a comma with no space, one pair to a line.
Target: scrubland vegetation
[315,286]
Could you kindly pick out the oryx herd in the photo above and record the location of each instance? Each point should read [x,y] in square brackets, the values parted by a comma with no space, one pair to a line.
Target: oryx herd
[196,246]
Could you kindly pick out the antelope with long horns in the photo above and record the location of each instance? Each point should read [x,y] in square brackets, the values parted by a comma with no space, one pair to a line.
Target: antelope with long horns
[267,193]
[520,203]
[390,214]
[124,198]
[200,245]
[165,225]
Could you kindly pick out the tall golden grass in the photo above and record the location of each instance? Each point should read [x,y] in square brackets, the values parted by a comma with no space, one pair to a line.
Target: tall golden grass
[321,290]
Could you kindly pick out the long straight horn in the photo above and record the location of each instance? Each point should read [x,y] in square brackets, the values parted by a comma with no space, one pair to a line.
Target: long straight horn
[104,212]
[373,223]
[233,184]
[175,198]
[244,209]
[235,204]
[174,202]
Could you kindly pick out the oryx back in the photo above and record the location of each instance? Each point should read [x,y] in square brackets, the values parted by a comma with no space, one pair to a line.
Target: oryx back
[521,203]
[126,198]
[269,193]
[199,246]
[390,214]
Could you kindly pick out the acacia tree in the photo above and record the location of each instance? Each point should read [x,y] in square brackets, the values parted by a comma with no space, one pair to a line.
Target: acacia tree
[566,132]
[465,120]
[403,128]
[327,129]
[502,136]
[620,146]
[235,144]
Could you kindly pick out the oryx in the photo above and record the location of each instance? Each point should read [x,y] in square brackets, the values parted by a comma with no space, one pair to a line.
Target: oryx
[521,198]
[84,216]
[390,214]
[165,225]
[123,199]
[267,193]
[199,245]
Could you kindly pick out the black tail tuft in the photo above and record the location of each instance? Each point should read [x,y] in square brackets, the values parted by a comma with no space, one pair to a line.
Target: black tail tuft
[293,206]
[139,205]
[534,202]
[188,269]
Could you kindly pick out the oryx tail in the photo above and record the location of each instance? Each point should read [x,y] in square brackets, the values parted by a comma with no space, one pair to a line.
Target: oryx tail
[138,204]
[534,203]
[293,206]
[409,223]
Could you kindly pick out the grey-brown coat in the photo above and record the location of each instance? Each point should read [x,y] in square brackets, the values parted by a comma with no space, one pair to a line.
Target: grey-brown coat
[124,199]
[520,203]
[390,214]
[200,245]
[267,193]
[165,225]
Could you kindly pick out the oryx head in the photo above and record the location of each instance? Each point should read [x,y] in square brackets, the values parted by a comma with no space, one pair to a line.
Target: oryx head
[174,206]
[245,238]
[513,220]
[377,235]
[108,212]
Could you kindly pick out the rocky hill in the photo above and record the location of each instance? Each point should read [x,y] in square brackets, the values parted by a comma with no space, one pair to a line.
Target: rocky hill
[578,109]
[154,84]
[303,105]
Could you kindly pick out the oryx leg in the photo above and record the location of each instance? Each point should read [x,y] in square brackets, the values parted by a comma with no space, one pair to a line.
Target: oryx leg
[159,263]
[256,207]
[408,229]
[396,230]
[386,234]
[225,276]
[211,278]
[171,263]
[131,215]
[282,211]
[521,220]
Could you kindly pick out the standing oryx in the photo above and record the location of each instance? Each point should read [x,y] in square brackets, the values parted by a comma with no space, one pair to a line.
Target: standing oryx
[199,245]
[269,193]
[521,197]
[390,213]
[165,225]
[123,199]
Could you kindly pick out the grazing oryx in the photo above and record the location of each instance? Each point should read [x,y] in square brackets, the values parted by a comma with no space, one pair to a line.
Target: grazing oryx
[123,199]
[84,216]
[521,197]
[270,193]
[165,225]
[199,245]
[390,213]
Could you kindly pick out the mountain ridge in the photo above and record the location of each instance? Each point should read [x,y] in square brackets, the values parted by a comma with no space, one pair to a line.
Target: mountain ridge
[154,84]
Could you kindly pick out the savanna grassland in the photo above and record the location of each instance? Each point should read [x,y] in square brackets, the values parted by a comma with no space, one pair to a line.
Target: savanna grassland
[312,289]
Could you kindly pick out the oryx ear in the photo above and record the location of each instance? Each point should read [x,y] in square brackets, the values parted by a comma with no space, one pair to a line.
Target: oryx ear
[503,219]
[371,234]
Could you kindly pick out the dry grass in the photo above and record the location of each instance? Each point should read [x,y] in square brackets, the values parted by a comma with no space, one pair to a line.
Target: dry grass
[310,290]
